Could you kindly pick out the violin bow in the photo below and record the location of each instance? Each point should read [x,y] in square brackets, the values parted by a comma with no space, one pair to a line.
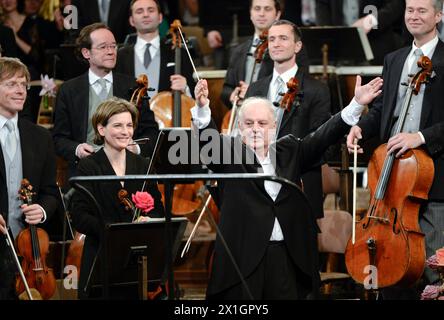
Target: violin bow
[355,164]
[188,52]
[10,244]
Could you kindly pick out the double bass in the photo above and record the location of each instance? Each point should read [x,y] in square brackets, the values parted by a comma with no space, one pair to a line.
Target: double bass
[389,242]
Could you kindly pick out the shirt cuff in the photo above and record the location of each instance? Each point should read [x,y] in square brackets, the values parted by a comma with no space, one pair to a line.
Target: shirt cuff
[137,149]
[77,149]
[44,214]
[422,137]
[351,113]
[188,92]
[373,21]
[201,116]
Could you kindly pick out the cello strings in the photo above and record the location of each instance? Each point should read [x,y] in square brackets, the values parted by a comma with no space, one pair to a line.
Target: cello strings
[189,55]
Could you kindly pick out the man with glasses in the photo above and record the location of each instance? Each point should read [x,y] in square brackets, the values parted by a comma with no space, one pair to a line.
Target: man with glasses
[78,98]
[26,152]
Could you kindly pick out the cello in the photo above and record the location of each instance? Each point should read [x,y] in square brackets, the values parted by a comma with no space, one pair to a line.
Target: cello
[33,245]
[173,110]
[388,237]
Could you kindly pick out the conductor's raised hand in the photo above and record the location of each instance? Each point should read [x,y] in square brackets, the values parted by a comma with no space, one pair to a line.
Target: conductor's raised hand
[365,94]
[201,93]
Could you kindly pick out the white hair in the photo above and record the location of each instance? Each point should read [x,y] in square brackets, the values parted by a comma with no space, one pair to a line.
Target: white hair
[256,100]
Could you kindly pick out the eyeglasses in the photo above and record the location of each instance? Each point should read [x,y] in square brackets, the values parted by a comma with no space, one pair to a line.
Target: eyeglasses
[19,85]
[104,47]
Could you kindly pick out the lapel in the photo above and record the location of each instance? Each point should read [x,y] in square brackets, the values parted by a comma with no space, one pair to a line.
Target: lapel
[393,84]
[433,90]
[112,187]
[81,94]
[133,168]
[243,59]
[2,166]
[118,87]
[28,152]
[164,73]
[127,61]
[288,115]
[284,192]
[255,167]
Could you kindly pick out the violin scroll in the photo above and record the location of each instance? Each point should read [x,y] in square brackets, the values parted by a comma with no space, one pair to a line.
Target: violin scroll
[262,47]
[122,195]
[141,90]
[423,75]
[25,192]
[289,97]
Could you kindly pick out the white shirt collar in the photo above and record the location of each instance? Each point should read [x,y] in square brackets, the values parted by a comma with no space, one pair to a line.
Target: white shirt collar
[141,44]
[427,48]
[93,77]
[255,38]
[287,75]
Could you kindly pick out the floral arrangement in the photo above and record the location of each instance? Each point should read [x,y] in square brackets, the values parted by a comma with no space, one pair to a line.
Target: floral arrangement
[140,204]
[48,89]
[435,292]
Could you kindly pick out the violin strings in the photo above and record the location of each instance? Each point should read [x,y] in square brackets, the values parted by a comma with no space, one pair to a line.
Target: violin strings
[189,55]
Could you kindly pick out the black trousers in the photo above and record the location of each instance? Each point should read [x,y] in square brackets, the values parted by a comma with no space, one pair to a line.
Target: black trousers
[275,278]
[7,272]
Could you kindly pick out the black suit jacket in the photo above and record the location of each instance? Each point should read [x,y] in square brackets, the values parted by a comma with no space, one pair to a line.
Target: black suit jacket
[39,167]
[248,212]
[379,120]
[7,42]
[118,22]
[86,218]
[71,115]
[125,65]
[236,68]
[384,39]
[313,111]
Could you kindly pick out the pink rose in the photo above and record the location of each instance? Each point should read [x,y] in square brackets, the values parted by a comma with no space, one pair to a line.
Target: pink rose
[432,262]
[440,256]
[430,293]
[143,201]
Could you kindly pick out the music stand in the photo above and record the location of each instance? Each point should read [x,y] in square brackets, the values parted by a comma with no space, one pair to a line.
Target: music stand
[346,45]
[134,255]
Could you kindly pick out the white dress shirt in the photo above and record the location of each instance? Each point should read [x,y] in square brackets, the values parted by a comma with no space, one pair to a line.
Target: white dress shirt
[140,47]
[96,85]
[274,85]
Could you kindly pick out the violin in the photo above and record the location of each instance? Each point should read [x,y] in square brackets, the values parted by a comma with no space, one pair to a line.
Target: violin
[289,97]
[388,237]
[33,246]
[261,48]
[140,93]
